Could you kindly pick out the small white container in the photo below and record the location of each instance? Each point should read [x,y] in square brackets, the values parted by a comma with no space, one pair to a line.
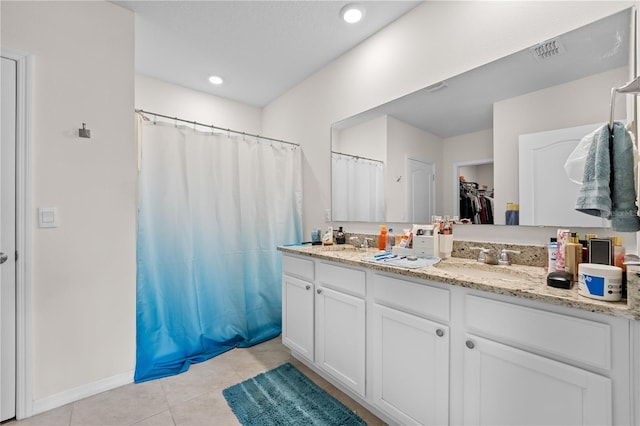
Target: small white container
[603,282]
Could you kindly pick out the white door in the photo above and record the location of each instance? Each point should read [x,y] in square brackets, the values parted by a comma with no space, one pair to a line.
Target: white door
[547,196]
[410,367]
[340,333]
[421,184]
[8,241]
[297,316]
[508,386]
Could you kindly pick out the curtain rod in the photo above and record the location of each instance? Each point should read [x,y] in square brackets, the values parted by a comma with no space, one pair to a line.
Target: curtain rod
[357,157]
[211,126]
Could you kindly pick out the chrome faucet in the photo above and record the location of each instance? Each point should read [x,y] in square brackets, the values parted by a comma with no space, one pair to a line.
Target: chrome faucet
[488,256]
[504,256]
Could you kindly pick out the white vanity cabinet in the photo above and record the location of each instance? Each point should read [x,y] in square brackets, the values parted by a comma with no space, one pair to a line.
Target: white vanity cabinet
[416,351]
[297,305]
[410,351]
[340,317]
[529,365]
[508,386]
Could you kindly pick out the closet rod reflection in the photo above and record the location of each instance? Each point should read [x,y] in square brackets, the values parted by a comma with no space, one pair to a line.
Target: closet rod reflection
[211,126]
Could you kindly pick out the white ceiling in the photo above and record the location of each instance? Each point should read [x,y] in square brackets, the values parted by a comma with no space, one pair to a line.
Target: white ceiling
[260,48]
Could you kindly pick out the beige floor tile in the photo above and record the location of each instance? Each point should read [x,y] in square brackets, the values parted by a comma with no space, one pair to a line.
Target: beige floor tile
[57,417]
[190,399]
[210,410]
[162,419]
[122,406]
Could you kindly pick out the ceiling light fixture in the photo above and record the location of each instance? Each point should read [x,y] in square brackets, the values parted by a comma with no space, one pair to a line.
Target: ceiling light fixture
[352,13]
[214,79]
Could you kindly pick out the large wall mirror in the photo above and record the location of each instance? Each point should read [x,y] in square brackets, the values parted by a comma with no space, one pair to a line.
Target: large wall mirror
[402,161]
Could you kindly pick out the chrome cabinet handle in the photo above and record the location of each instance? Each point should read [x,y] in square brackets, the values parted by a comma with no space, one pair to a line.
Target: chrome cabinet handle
[318,291]
[439,332]
[470,344]
[308,286]
[3,258]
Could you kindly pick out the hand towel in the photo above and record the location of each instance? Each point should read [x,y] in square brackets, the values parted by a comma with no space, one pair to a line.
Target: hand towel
[608,193]
[594,197]
[624,214]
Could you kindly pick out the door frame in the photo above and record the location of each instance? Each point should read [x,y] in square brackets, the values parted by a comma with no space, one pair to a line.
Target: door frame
[24,222]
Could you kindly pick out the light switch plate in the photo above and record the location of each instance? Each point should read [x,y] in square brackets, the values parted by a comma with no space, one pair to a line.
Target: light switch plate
[48,217]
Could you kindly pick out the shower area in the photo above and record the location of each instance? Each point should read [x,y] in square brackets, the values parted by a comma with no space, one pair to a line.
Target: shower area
[213,205]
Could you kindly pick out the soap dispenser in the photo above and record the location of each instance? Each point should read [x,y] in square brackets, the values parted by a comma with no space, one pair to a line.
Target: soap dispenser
[340,238]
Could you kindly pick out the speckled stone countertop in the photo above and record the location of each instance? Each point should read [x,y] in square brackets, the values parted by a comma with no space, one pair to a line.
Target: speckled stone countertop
[523,281]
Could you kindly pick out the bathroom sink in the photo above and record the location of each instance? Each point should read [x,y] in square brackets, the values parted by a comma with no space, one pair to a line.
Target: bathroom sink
[480,270]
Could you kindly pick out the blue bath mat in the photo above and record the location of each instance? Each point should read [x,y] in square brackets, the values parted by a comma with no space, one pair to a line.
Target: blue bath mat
[285,396]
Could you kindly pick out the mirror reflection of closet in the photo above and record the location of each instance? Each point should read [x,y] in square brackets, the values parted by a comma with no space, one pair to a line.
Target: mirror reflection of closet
[474,193]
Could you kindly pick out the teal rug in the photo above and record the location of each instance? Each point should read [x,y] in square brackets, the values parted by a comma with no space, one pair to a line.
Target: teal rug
[285,396]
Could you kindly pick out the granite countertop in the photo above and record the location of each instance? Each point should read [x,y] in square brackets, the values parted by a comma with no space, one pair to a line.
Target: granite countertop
[527,282]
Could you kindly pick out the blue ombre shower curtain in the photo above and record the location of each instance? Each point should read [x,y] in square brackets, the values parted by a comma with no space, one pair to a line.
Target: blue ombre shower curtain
[212,210]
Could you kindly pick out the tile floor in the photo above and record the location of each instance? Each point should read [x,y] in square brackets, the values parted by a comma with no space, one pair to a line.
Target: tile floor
[192,398]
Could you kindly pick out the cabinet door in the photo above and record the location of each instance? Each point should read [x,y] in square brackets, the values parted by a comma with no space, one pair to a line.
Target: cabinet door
[410,367]
[297,316]
[340,337]
[508,386]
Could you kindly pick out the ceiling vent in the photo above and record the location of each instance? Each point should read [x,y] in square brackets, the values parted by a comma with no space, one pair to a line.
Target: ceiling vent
[548,49]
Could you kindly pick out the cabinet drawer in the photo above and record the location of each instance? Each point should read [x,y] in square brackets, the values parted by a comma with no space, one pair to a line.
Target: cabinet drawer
[574,339]
[302,268]
[411,297]
[343,279]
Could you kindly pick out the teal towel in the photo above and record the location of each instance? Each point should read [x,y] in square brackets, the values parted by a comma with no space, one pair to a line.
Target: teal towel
[605,194]
[624,215]
[594,197]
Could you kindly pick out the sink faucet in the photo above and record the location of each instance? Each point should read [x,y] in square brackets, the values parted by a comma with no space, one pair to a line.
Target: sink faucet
[504,256]
[488,256]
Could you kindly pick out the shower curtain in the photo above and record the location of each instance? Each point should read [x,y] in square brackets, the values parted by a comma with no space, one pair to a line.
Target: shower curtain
[212,210]
[357,188]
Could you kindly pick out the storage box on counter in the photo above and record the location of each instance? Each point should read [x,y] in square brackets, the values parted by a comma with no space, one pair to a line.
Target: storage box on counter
[423,246]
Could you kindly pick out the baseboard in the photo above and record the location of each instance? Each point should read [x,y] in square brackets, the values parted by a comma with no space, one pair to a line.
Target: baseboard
[80,392]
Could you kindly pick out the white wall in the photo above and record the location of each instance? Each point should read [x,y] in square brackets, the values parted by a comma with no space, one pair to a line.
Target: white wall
[83,281]
[368,139]
[176,101]
[423,47]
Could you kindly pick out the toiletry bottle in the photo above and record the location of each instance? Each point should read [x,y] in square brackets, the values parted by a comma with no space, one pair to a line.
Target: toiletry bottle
[340,238]
[618,260]
[552,250]
[573,256]
[391,240]
[382,238]
[585,250]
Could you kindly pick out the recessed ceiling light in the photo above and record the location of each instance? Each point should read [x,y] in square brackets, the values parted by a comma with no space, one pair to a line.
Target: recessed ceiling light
[352,13]
[214,79]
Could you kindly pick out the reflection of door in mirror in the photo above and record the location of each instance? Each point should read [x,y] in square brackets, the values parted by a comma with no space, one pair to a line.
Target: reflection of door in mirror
[421,190]
[547,196]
